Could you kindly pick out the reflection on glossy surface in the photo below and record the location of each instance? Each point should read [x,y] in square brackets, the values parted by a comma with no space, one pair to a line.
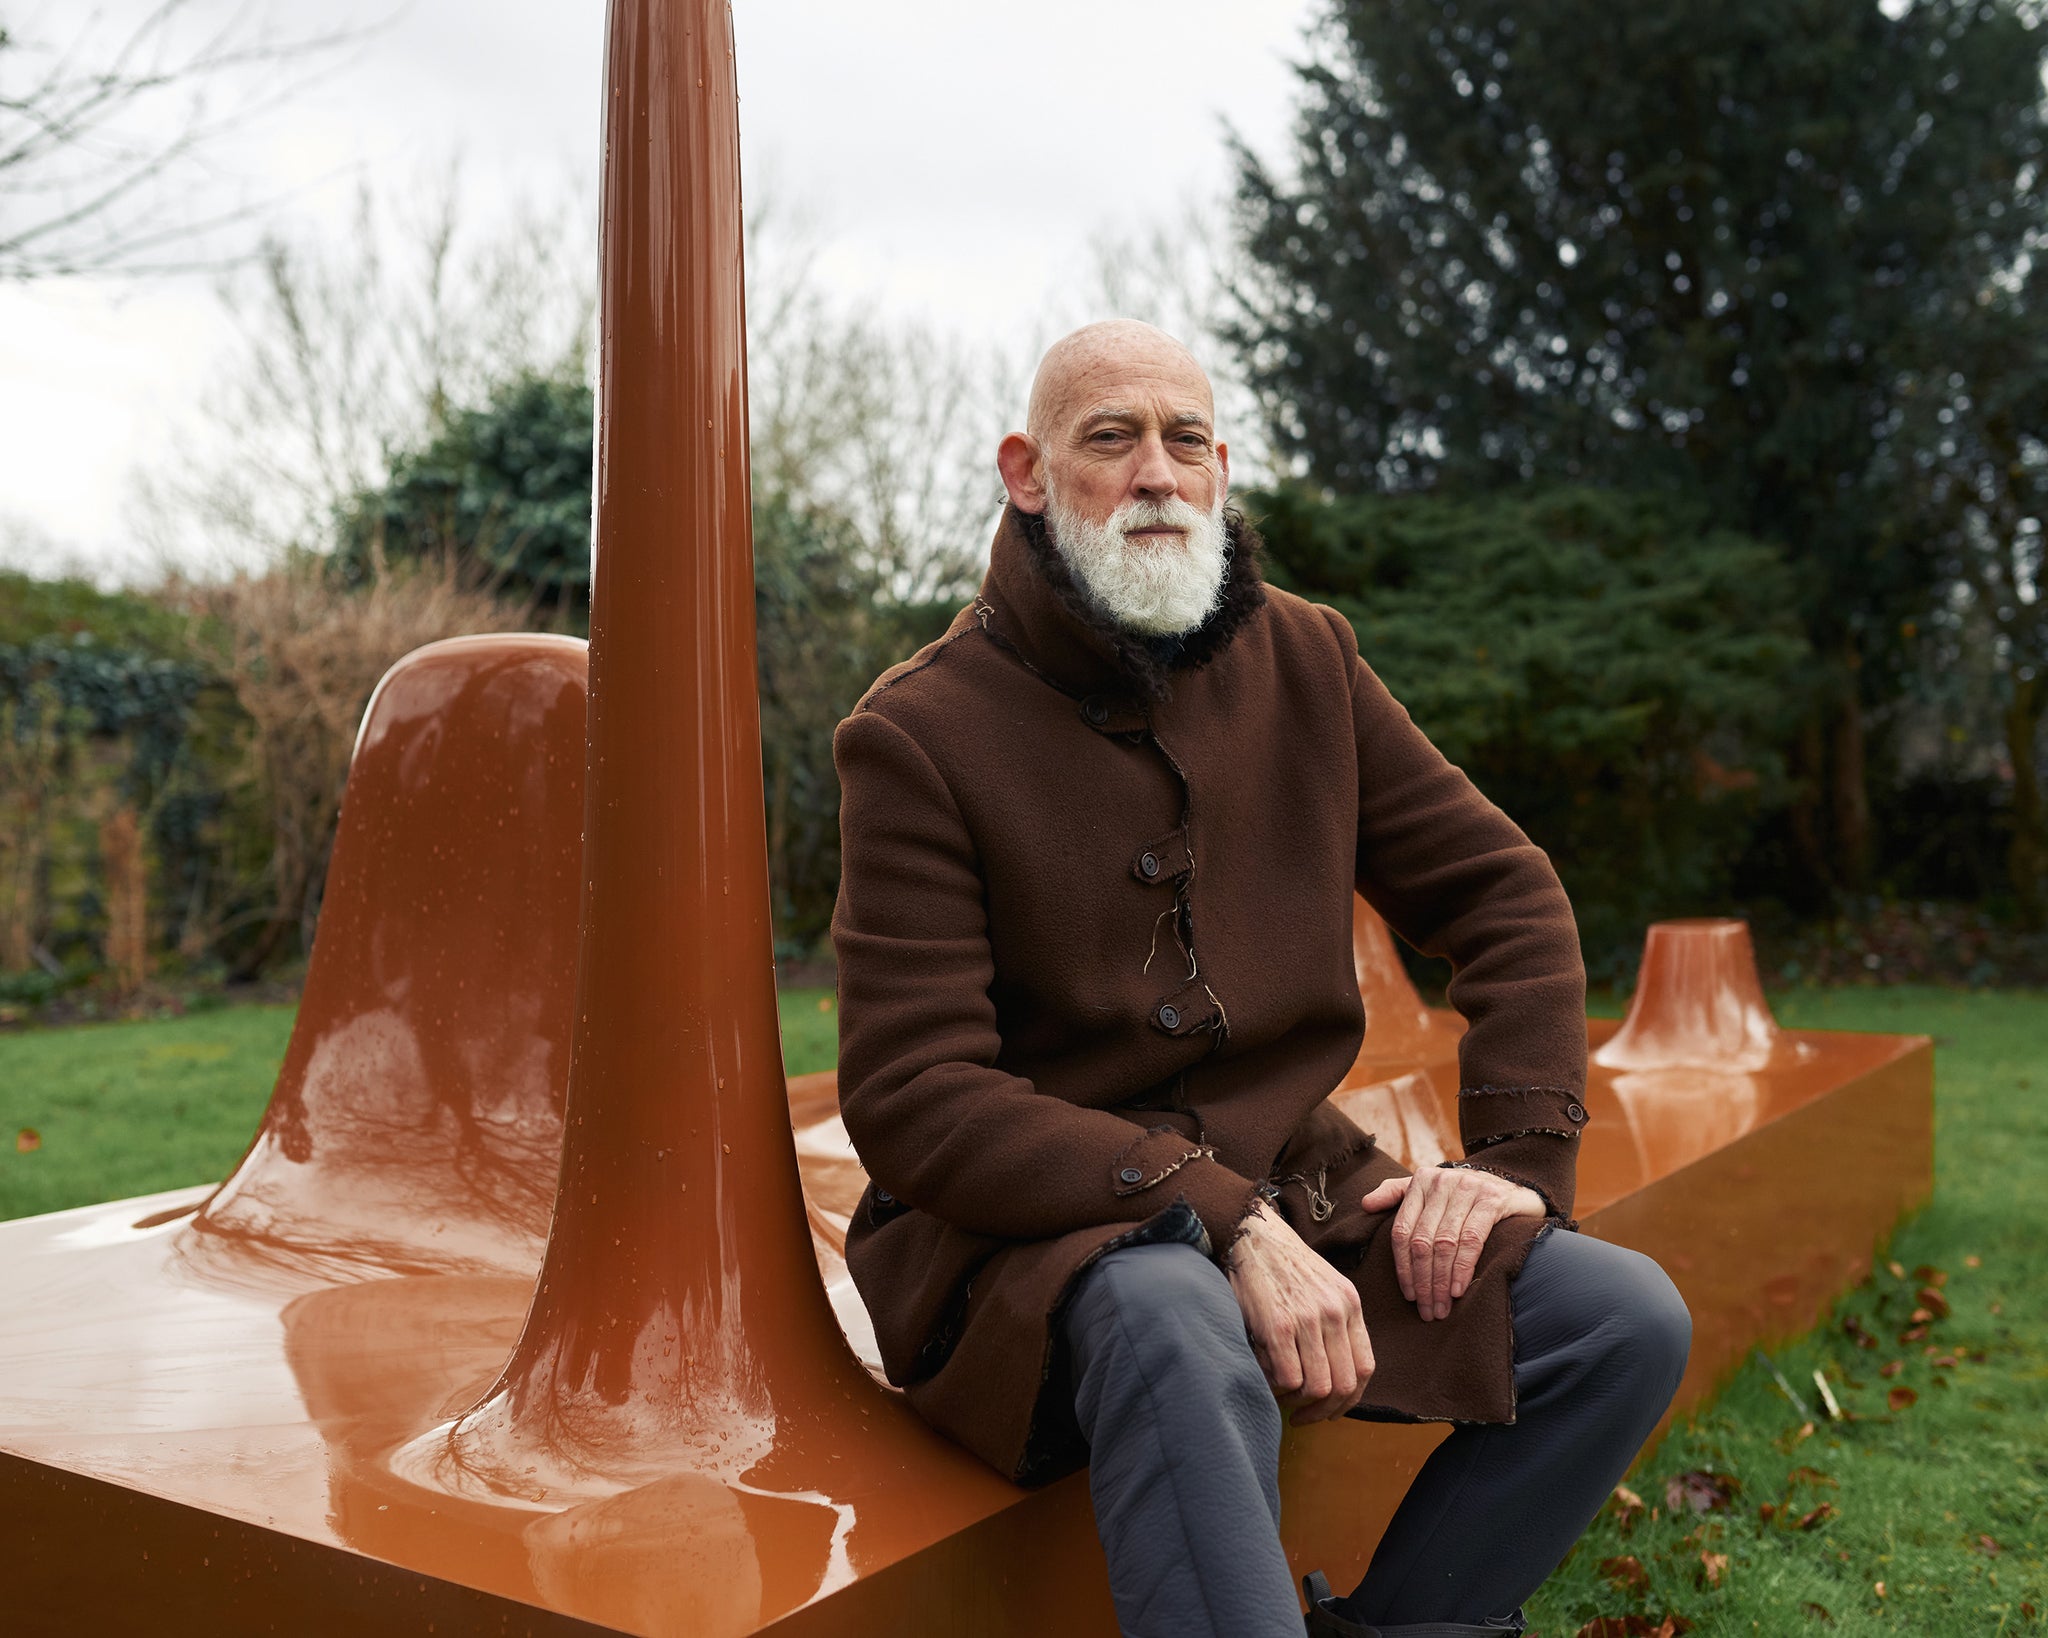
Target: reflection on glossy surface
[542,1002]
[417,1120]
[1677,1115]
[1406,1115]
[1401,1034]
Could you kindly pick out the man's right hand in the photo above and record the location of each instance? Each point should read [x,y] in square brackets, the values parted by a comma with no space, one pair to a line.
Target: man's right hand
[1304,1320]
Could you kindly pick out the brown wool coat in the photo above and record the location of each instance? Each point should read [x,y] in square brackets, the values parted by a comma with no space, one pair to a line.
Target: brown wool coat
[1095,981]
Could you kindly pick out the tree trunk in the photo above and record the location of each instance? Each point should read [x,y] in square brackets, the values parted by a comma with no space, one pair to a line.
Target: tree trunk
[1851,778]
[1810,766]
[2027,859]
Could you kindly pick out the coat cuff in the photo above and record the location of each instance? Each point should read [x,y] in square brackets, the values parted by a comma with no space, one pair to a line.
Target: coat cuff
[1494,1114]
[1164,1156]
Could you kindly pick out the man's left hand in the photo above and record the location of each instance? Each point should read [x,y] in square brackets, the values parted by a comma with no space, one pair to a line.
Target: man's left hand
[1445,1216]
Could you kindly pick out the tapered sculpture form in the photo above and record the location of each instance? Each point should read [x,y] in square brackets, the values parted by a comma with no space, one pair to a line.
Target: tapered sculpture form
[1698,1002]
[679,1329]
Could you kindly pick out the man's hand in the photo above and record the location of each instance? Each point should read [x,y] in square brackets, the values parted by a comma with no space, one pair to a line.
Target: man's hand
[1303,1316]
[1442,1226]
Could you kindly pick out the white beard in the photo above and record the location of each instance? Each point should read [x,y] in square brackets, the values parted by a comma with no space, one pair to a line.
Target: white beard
[1155,586]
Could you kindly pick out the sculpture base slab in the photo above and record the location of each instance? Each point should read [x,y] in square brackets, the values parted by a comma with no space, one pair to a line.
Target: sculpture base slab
[181,1455]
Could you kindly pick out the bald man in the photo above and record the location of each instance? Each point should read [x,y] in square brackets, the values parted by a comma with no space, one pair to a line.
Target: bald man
[1099,845]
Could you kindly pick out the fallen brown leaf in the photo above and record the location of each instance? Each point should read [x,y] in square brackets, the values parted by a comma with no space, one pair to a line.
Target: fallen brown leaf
[1898,1270]
[1627,1505]
[1920,1317]
[1988,1546]
[1900,1398]
[27,1141]
[1625,1574]
[1928,1274]
[1819,1516]
[1767,1512]
[1859,1333]
[1878,1588]
[1701,1491]
[1934,1301]
[1809,1475]
[1944,1362]
[1712,1567]
[1891,1367]
[1914,1334]
[1973,1261]
[1817,1612]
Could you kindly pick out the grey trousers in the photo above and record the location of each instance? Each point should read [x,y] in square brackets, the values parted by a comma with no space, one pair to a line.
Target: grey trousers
[1184,1442]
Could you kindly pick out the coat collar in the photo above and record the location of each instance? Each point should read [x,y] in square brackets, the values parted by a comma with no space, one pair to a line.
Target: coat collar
[1031,603]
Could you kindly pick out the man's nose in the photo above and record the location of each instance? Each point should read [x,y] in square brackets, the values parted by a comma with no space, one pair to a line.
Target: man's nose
[1154,477]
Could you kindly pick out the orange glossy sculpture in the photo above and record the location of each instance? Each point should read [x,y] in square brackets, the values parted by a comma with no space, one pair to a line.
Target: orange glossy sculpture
[526,1310]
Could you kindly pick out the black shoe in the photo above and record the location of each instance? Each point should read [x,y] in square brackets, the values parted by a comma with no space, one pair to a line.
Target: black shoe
[1325,1618]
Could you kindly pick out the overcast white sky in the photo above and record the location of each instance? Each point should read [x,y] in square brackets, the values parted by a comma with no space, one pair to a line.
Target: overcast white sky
[958,157]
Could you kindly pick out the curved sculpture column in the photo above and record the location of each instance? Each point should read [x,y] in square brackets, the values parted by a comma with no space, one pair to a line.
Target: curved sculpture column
[679,1344]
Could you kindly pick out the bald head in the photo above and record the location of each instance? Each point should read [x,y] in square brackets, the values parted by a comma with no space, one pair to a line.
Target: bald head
[1120,412]
[1102,357]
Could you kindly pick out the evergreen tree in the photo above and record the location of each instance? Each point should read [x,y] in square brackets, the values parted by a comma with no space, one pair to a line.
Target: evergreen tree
[1606,666]
[1979,444]
[505,485]
[1693,245]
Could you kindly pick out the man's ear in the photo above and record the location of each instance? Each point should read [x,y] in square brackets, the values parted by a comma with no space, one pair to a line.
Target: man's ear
[1223,465]
[1017,458]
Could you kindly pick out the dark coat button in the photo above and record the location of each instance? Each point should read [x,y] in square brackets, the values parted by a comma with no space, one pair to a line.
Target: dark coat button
[1169,1015]
[1575,1111]
[884,1197]
[1149,863]
[1130,1174]
[1095,710]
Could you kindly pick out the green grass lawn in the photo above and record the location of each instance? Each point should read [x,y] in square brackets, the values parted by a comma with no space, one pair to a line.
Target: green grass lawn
[1923,1517]
[125,1109]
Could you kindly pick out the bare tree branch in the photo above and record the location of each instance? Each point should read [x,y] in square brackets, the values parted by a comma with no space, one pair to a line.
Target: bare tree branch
[108,141]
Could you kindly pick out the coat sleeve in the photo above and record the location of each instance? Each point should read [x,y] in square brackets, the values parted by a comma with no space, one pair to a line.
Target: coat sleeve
[936,1123]
[1456,877]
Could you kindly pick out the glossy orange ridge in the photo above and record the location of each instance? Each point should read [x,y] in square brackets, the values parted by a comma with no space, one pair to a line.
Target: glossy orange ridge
[525,1311]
